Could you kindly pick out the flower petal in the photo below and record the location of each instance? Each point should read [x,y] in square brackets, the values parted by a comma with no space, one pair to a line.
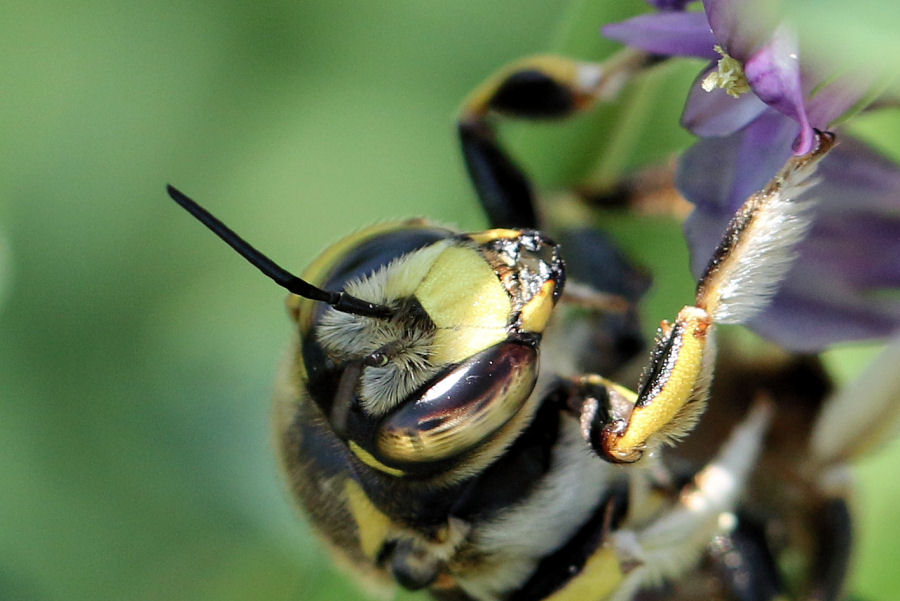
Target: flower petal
[737,27]
[837,97]
[845,283]
[718,174]
[666,33]
[774,74]
[715,113]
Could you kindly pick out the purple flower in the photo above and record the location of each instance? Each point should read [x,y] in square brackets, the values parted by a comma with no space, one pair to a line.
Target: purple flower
[756,68]
[753,107]
[844,283]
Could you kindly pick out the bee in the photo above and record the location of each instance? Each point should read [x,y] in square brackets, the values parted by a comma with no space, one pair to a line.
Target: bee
[460,410]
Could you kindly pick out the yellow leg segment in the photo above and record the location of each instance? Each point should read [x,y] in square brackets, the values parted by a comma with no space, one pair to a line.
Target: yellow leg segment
[673,390]
[752,258]
[535,88]
[545,86]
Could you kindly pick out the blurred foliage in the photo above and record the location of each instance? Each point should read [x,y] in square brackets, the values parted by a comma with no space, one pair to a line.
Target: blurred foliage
[137,354]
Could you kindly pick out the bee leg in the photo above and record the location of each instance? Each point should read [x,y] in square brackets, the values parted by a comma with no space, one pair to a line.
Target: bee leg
[752,258]
[847,430]
[538,87]
[411,564]
[677,540]
[649,191]
[744,561]
[833,551]
[857,420]
[596,402]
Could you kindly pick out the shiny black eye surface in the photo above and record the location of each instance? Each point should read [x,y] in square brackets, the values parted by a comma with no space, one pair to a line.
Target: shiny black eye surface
[461,407]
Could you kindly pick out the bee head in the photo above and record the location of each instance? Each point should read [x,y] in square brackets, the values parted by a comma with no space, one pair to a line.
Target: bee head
[456,359]
[418,344]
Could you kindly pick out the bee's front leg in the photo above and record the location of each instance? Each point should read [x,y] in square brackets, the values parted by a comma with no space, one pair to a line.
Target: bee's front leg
[752,258]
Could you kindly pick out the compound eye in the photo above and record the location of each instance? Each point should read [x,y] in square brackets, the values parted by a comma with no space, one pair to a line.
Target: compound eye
[461,408]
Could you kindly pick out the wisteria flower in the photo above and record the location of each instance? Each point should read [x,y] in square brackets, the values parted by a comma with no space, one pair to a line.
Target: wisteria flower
[756,104]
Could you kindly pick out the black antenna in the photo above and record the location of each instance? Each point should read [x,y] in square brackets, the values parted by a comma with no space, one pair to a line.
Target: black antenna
[339,300]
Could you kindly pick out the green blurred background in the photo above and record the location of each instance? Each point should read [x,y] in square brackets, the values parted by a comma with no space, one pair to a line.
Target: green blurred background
[137,353]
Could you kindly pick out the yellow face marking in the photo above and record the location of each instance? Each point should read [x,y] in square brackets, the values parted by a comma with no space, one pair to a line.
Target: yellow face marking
[367,458]
[655,415]
[466,301]
[457,344]
[461,289]
[598,579]
[482,238]
[372,525]
[536,312]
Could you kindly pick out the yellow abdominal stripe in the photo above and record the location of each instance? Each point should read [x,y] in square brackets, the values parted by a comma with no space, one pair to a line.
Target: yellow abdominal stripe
[372,525]
[462,292]
[599,577]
